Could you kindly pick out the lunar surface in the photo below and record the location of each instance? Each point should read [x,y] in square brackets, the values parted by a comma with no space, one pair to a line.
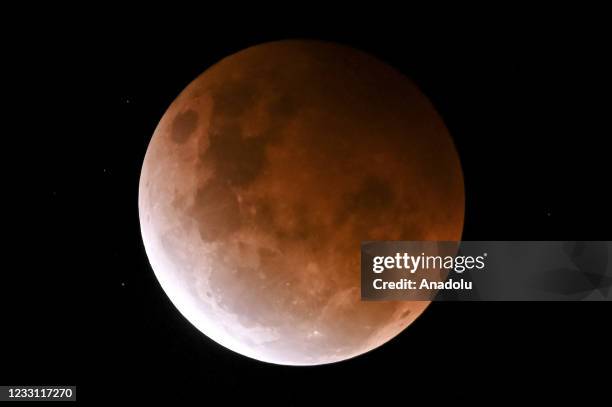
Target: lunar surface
[263,177]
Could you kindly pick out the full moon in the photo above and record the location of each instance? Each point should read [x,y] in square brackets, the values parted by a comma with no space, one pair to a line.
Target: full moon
[264,176]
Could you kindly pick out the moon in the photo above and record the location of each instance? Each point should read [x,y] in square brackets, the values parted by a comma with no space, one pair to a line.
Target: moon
[263,177]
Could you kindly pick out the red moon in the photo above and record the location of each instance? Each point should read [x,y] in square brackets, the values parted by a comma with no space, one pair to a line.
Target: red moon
[263,177]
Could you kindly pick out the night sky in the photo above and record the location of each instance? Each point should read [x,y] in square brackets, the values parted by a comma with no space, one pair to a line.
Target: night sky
[527,109]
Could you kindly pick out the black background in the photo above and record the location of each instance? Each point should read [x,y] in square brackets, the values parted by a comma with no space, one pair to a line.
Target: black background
[527,103]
